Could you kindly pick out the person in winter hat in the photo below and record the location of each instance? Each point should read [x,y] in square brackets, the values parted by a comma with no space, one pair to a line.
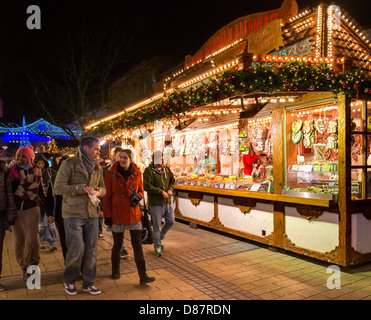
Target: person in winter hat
[26,178]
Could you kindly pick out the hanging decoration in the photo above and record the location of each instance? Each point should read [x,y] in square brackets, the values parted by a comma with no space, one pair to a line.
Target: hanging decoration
[293,76]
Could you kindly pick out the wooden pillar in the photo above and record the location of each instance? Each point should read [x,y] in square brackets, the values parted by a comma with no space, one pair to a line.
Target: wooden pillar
[278,135]
[344,195]
[279,173]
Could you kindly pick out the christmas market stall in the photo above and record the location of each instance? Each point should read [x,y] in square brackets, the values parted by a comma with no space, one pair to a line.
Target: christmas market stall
[267,130]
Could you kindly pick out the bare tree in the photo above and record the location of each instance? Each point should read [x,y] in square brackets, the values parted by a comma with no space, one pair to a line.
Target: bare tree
[79,68]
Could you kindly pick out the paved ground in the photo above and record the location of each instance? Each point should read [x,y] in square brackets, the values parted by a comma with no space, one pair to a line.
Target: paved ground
[197,265]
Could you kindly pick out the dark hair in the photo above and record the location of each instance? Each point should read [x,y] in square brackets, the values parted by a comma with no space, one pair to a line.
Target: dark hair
[128,152]
[117,149]
[88,141]
[62,159]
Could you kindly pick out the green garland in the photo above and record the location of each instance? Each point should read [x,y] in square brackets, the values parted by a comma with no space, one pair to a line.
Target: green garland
[293,76]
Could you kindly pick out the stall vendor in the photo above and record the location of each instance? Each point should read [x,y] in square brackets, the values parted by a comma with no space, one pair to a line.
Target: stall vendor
[248,161]
[205,162]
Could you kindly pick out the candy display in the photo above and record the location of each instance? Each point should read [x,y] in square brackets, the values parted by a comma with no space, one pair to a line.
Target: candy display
[319,151]
[322,125]
[313,153]
[296,126]
[297,137]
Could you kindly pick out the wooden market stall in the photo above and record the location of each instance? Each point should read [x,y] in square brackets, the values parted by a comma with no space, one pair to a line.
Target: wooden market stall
[293,90]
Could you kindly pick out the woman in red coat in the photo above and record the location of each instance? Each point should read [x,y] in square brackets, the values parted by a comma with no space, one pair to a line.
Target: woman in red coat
[121,209]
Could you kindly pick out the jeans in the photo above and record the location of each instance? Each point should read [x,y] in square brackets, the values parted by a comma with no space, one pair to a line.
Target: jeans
[157,213]
[81,241]
[47,231]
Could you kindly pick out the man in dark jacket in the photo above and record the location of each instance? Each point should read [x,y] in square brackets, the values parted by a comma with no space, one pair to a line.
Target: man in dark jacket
[158,181]
[80,181]
[7,206]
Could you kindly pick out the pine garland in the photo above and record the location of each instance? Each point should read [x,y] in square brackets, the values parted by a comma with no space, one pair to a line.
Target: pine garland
[293,76]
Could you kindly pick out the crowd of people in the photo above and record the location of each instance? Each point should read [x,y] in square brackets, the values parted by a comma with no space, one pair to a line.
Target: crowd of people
[72,196]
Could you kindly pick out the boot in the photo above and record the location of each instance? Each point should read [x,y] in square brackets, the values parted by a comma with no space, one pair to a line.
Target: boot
[115,267]
[144,278]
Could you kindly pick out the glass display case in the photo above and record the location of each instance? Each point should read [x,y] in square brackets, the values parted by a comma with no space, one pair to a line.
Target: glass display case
[360,128]
[233,156]
[312,152]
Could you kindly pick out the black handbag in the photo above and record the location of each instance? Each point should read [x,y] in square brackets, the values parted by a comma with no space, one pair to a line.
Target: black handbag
[147,235]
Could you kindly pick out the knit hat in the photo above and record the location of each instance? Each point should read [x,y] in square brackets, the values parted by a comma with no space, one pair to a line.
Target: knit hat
[27,151]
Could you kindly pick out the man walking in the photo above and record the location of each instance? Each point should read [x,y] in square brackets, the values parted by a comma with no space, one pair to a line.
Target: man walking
[80,181]
[158,181]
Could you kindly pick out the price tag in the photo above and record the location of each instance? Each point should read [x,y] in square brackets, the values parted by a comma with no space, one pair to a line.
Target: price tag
[255,187]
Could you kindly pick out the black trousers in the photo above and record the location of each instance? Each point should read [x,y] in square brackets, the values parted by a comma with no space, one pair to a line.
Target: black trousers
[2,236]
[62,236]
[136,242]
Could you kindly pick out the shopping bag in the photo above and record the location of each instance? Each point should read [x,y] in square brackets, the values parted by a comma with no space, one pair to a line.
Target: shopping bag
[147,235]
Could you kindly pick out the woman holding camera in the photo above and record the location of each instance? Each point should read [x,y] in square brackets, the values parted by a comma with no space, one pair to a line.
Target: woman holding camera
[121,210]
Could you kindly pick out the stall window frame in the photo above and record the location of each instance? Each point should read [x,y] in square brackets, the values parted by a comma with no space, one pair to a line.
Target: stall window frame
[366,138]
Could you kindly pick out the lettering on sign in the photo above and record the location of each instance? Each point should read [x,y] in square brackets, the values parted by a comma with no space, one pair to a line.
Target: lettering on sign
[241,28]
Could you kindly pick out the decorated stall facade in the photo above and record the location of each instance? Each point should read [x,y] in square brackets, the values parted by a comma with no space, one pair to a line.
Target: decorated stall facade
[269,142]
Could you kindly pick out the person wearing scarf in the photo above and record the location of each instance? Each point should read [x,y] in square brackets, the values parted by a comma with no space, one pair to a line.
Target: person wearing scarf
[80,181]
[158,181]
[26,178]
[122,212]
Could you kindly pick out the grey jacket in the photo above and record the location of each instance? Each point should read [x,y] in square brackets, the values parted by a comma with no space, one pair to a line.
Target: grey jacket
[70,182]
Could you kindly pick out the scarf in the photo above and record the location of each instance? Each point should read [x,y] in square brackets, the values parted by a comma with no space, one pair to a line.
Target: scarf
[29,181]
[160,170]
[125,173]
[88,163]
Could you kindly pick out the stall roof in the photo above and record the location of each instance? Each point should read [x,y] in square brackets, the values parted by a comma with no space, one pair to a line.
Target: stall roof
[324,32]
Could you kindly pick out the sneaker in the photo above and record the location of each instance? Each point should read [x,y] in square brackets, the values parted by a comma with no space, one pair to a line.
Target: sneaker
[145,279]
[162,246]
[70,289]
[43,245]
[124,254]
[100,236]
[92,289]
[158,252]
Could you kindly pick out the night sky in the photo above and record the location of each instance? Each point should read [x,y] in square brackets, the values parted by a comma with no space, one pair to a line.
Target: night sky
[170,27]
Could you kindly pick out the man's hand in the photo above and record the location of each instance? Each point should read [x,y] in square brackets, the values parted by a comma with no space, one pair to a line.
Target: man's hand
[89,190]
[165,195]
[170,193]
[51,219]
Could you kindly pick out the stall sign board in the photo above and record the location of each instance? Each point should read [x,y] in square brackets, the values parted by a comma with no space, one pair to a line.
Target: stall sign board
[240,29]
[266,39]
